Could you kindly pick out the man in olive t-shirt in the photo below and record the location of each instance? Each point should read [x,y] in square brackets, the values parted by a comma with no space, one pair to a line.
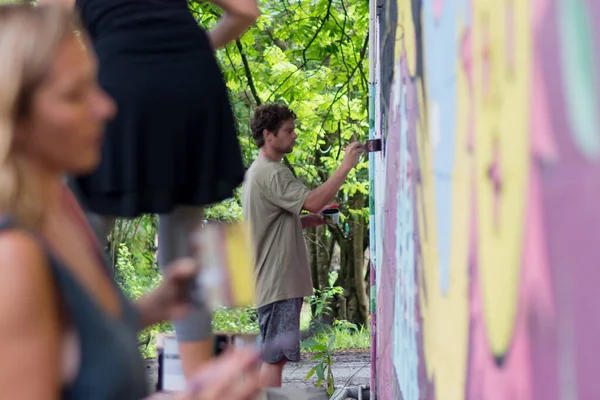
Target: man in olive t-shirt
[272,200]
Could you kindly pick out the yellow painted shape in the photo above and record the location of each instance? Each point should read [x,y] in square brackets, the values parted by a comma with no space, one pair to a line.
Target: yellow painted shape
[502,117]
[240,263]
[445,318]
[405,34]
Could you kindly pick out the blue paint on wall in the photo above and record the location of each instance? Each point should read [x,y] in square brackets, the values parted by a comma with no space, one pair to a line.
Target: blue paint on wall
[405,355]
[580,78]
[440,78]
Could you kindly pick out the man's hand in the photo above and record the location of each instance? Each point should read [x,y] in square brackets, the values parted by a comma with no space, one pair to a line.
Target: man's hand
[312,221]
[319,197]
[352,156]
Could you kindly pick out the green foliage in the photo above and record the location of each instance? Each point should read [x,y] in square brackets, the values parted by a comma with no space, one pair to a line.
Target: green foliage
[324,343]
[240,320]
[321,299]
[342,336]
[134,244]
[135,278]
[136,270]
[311,55]
[229,210]
[323,356]
[346,336]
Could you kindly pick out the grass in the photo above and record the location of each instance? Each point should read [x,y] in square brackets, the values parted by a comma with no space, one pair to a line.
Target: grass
[347,335]
[346,339]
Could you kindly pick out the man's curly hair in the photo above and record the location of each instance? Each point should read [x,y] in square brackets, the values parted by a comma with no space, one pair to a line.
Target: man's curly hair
[270,117]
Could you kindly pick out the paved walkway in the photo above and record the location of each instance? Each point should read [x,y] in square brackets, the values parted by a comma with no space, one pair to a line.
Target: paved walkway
[350,368]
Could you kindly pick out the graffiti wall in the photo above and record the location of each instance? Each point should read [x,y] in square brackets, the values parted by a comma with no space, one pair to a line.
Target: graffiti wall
[485,225]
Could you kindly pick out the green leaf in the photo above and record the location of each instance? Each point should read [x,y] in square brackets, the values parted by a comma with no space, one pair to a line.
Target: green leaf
[331,341]
[319,347]
[310,343]
[311,372]
[320,369]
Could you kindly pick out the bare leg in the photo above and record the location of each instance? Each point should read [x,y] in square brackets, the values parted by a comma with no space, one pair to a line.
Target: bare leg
[194,355]
[194,333]
[271,375]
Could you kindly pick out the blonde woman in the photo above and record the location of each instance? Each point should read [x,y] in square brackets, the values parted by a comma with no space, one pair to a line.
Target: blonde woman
[66,330]
[172,147]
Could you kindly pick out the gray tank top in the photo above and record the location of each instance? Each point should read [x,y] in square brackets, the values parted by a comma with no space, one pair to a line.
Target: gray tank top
[110,366]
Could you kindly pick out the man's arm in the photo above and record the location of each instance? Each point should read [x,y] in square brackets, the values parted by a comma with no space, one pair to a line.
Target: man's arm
[321,196]
[290,194]
[29,323]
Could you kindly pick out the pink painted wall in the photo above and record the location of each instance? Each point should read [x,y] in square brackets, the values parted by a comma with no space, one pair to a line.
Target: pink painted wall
[485,225]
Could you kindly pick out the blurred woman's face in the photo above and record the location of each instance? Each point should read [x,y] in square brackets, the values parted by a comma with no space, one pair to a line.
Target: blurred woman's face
[62,129]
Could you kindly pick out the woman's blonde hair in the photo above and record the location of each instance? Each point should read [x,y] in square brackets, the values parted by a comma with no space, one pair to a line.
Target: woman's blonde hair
[29,40]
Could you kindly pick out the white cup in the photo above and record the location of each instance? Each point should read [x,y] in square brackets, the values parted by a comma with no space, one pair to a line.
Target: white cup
[331,214]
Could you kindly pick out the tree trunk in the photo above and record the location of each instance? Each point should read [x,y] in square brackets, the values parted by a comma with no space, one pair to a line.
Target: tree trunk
[362,300]
[311,235]
[355,306]
[325,255]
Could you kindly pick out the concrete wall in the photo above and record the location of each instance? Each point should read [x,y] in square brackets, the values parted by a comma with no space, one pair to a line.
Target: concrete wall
[486,200]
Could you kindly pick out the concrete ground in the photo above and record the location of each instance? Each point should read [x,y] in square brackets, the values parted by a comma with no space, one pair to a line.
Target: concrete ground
[350,368]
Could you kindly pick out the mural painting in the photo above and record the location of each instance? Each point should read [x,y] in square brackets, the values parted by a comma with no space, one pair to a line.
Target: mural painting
[484,200]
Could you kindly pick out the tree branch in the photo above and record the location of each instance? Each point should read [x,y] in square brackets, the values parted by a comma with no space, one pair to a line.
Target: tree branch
[247,72]
[310,42]
[363,52]
[257,99]
[278,42]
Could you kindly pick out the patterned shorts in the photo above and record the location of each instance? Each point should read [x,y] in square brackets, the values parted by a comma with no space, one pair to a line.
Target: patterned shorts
[279,325]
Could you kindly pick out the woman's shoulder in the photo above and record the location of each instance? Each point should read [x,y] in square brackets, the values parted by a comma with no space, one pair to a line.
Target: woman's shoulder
[26,279]
[29,320]
[20,253]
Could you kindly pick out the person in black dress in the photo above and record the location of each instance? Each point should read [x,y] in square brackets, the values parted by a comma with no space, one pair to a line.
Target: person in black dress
[172,147]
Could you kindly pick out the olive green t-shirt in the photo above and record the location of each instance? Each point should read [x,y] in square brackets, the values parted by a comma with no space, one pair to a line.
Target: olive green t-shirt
[272,199]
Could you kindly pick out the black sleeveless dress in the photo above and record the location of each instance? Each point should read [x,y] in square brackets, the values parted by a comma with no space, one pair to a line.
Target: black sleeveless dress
[173,141]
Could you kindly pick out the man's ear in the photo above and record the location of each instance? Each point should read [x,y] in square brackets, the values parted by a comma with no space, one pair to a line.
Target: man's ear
[266,134]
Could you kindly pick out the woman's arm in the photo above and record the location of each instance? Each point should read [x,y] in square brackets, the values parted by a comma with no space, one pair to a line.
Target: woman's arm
[29,322]
[239,16]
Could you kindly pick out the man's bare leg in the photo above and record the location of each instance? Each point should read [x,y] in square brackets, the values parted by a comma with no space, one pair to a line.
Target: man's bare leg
[194,355]
[271,375]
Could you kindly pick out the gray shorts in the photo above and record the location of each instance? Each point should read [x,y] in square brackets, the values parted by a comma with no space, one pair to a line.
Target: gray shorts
[279,325]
